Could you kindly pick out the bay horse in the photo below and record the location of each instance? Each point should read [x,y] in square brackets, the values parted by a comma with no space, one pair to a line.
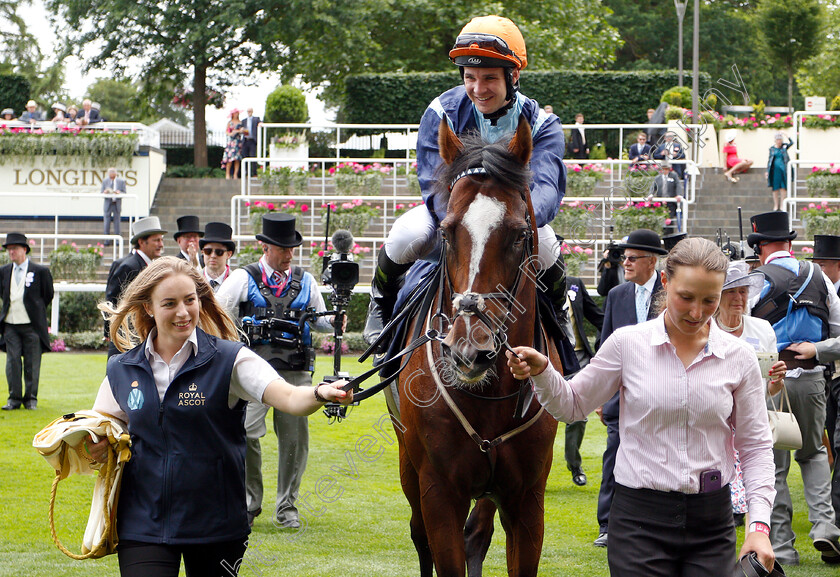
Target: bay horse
[459,439]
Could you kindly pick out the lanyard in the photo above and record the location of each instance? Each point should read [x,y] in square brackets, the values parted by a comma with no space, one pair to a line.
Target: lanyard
[277,289]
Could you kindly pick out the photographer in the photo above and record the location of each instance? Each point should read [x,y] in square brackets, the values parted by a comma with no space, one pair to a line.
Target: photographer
[263,295]
[610,269]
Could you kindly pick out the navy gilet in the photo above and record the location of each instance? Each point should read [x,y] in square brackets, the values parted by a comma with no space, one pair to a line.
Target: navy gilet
[185,482]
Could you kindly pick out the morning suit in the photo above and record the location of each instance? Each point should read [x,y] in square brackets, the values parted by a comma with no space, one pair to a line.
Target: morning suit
[249,141]
[582,307]
[92,116]
[122,272]
[671,151]
[113,206]
[26,340]
[577,144]
[619,311]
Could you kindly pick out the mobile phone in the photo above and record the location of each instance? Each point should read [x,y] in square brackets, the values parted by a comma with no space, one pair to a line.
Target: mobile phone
[710,480]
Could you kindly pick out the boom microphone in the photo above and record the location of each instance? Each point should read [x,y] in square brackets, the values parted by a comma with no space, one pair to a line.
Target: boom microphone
[342,241]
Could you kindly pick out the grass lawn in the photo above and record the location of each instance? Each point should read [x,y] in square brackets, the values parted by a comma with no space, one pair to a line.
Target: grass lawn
[362,532]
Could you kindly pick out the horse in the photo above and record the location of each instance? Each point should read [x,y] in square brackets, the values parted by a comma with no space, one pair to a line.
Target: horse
[459,438]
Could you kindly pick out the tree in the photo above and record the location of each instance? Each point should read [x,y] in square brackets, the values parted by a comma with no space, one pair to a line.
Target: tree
[326,41]
[184,43]
[791,32]
[117,99]
[820,74]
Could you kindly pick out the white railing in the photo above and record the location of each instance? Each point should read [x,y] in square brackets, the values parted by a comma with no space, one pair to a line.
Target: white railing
[797,171]
[798,118]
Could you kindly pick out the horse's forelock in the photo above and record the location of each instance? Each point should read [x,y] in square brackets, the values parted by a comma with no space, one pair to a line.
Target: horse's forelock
[499,164]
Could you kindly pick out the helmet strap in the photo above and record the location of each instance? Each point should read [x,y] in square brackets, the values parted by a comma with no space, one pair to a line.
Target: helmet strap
[510,95]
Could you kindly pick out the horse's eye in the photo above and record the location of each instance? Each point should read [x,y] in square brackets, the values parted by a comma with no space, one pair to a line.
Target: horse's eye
[523,234]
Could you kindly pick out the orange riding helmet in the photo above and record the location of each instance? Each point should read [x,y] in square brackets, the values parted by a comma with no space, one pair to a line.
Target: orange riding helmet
[489,42]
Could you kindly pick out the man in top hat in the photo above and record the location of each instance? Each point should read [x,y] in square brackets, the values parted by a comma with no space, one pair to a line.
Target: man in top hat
[217,246]
[187,236]
[667,184]
[147,245]
[827,255]
[26,288]
[627,304]
[270,290]
[819,318]
[671,240]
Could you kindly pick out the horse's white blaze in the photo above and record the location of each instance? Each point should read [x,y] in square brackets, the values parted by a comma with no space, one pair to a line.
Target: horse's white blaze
[484,215]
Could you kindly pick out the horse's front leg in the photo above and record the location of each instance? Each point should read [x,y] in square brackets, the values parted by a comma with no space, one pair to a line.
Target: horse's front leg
[524,525]
[411,488]
[444,514]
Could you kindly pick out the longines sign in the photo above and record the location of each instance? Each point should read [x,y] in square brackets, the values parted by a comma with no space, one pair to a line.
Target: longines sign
[50,187]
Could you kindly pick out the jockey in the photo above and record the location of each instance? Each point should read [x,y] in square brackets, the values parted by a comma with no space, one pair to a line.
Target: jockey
[490,53]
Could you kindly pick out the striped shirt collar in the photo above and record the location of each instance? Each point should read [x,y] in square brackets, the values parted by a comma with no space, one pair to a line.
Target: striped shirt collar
[716,345]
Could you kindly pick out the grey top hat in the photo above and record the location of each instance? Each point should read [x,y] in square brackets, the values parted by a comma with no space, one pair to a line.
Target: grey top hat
[146,227]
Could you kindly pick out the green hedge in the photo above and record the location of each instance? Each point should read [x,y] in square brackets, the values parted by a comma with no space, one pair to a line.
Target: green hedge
[14,92]
[603,97]
[182,155]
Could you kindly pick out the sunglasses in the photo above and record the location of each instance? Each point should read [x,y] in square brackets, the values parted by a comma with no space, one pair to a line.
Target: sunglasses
[480,40]
[218,251]
[632,259]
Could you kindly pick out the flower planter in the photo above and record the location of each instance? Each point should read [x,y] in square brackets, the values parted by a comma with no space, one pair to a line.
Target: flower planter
[572,224]
[283,183]
[414,185]
[363,184]
[821,225]
[823,185]
[579,185]
[638,183]
[255,218]
[74,266]
[357,224]
[575,263]
[628,219]
[295,158]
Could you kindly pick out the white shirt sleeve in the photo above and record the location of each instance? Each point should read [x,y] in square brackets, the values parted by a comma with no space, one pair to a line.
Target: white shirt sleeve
[106,403]
[316,299]
[250,377]
[233,291]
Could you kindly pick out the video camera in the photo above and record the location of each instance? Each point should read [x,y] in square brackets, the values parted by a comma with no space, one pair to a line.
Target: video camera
[614,254]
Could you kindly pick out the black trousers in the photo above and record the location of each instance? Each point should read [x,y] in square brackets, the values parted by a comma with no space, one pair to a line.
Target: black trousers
[605,493]
[206,560]
[832,399]
[23,355]
[659,534]
[249,149]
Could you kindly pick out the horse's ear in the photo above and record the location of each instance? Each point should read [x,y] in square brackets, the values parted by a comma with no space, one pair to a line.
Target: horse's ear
[449,144]
[521,145]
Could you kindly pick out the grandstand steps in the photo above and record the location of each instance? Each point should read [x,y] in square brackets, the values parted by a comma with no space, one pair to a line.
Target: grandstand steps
[208,198]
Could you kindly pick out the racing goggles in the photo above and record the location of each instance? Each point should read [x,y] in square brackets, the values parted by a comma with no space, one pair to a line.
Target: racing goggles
[486,41]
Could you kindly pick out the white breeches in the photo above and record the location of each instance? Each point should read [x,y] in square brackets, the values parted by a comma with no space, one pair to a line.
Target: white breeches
[414,237]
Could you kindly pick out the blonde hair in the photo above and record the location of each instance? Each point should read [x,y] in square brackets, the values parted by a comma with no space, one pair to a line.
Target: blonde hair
[692,252]
[131,324]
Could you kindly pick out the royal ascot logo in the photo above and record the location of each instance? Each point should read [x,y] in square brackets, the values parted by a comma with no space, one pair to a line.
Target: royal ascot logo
[135,397]
[192,398]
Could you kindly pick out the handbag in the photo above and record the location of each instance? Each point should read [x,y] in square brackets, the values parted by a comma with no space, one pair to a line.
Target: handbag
[749,566]
[61,443]
[783,425]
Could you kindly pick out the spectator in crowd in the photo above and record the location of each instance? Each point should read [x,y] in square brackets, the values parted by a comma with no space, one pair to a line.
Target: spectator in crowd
[640,152]
[187,236]
[58,112]
[233,149]
[217,246]
[734,164]
[671,150]
[26,289]
[275,287]
[798,344]
[578,144]
[31,115]
[682,383]
[88,114]
[8,114]
[113,184]
[580,307]
[249,142]
[650,113]
[182,390]
[827,255]
[667,184]
[147,245]
[627,304]
[777,163]
[72,112]
[98,108]
[548,109]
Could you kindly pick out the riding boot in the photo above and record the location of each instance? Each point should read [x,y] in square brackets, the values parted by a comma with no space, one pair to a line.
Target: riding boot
[552,283]
[387,281]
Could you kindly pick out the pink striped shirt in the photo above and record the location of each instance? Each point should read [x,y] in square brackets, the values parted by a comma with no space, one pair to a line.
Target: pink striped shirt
[675,422]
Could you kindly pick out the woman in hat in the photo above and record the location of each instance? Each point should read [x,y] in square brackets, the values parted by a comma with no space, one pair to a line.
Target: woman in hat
[58,109]
[72,112]
[233,150]
[733,316]
[683,383]
[776,173]
[182,387]
[8,115]
[734,164]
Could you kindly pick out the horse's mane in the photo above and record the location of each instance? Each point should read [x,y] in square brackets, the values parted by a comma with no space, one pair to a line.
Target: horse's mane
[501,166]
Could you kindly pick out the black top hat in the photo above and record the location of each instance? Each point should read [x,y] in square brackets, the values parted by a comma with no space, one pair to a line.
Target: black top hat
[770,226]
[671,240]
[218,232]
[826,247]
[279,229]
[188,224]
[17,238]
[644,239]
